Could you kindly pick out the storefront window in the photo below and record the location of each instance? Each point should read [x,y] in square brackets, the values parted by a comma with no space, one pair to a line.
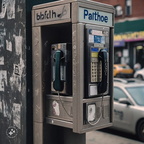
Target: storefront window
[117,56]
[140,55]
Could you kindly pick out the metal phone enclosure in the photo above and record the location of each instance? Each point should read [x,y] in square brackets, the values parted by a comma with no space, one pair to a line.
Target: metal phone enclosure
[73,64]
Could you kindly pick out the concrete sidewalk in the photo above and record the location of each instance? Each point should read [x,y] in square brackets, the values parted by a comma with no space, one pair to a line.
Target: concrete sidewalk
[99,137]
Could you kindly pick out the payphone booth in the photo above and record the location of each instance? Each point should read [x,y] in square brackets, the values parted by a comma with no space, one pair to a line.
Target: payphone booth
[73,64]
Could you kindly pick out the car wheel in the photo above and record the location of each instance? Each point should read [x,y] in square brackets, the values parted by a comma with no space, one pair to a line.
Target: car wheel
[140,130]
[139,77]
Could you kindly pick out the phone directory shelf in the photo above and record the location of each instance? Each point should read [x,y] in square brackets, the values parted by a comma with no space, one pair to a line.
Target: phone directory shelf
[61,112]
[73,64]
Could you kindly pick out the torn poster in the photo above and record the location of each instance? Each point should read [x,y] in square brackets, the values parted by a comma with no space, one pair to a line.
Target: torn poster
[15,82]
[16,115]
[17,70]
[3,79]
[3,8]
[2,60]
[18,44]
[8,45]
[1,43]
[11,9]
[7,6]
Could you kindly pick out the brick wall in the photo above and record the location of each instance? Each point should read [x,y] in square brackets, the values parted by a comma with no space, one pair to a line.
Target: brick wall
[137,7]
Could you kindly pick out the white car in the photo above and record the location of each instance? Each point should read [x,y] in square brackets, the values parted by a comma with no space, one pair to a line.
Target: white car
[139,74]
[129,106]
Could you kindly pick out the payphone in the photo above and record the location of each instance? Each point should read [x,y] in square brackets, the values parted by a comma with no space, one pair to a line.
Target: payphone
[97,65]
[61,68]
[73,78]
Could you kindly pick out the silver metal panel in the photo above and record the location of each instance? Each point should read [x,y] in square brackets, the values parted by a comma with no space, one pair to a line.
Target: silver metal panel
[74,9]
[53,22]
[38,133]
[78,75]
[86,2]
[59,107]
[55,3]
[84,130]
[78,88]
[33,18]
[103,113]
[74,75]
[59,122]
[49,14]
[37,75]
[98,6]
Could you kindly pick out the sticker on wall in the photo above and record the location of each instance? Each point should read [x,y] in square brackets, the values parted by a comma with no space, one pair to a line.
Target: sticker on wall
[2,33]
[22,65]
[1,42]
[3,79]
[8,45]
[17,76]
[20,10]
[17,70]
[18,44]
[3,8]
[11,9]
[5,110]
[11,132]
[16,115]
[2,60]
[1,24]
[7,6]
[56,110]
[15,80]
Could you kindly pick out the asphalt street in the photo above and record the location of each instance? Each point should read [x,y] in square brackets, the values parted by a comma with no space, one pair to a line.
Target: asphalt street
[110,137]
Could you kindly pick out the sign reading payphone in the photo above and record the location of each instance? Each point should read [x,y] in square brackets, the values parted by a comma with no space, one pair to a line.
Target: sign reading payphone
[95,17]
[73,45]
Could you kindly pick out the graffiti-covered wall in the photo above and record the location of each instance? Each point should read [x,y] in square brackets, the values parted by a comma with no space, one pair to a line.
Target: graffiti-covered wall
[12,71]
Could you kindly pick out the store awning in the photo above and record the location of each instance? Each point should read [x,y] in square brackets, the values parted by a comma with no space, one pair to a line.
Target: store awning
[128,31]
[128,37]
[129,26]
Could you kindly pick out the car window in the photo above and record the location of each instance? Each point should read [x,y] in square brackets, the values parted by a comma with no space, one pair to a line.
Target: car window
[125,67]
[137,94]
[119,93]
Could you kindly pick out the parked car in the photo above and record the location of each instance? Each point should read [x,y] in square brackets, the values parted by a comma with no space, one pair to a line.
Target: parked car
[129,106]
[139,74]
[122,70]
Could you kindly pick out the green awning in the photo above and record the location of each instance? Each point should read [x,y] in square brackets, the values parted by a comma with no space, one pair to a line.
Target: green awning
[129,26]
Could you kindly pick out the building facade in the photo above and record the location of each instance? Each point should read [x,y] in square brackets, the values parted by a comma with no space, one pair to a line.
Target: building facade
[129,31]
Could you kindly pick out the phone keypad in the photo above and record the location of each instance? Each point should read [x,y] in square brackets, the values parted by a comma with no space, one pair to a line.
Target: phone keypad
[96,72]
[93,71]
